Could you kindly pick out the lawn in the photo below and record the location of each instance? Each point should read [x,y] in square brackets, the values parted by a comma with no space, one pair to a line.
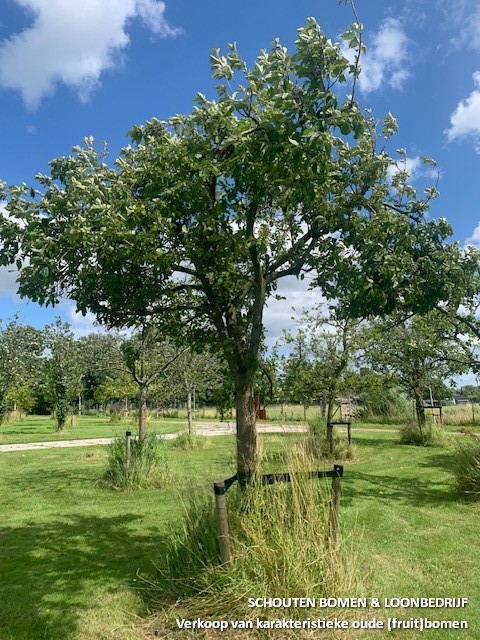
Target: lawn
[73,555]
[42,428]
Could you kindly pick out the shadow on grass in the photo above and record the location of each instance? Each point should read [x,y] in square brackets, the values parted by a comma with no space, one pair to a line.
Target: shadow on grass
[48,570]
[403,485]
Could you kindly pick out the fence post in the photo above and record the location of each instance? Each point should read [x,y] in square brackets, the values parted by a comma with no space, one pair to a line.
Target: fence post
[335,503]
[128,449]
[349,433]
[222,521]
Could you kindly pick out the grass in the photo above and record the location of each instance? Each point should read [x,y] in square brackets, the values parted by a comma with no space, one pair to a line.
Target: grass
[42,429]
[72,553]
[466,467]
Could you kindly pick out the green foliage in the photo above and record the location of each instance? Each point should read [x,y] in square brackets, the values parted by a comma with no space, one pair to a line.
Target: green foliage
[203,214]
[417,354]
[20,351]
[63,370]
[466,467]
[148,467]
[380,398]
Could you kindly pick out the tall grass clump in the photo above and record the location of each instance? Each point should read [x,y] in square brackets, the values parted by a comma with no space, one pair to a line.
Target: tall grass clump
[466,467]
[431,435]
[189,441]
[318,445]
[148,464]
[280,548]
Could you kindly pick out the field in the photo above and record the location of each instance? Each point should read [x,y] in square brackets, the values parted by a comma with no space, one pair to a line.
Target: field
[75,557]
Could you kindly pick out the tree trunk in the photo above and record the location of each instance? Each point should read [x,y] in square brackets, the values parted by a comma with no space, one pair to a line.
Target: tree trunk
[189,414]
[420,410]
[247,459]
[323,407]
[142,412]
[3,409]
[330,412]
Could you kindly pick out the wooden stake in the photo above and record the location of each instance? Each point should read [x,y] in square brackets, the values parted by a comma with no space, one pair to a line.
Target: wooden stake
[128,449]
[222,521]
[335,503]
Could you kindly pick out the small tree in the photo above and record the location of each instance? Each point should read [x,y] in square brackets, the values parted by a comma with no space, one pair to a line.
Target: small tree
[147,358]
[195,372]
[63,370]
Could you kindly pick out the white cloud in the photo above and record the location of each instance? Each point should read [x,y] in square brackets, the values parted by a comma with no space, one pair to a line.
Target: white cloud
[8,283]
[415,167]
[72,43]
[474,239]
[467,23]
[386,59]
[80,325]
[465,120]
[279,314]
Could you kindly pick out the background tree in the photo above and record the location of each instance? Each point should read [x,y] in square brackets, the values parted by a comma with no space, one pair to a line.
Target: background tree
[20,350]
[104,375]
[298,370]
[205,213]
[192,373]
[63,370]
[417,353]
[146,358]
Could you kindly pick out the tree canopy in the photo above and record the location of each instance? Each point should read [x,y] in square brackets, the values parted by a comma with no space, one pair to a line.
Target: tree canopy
[202,215]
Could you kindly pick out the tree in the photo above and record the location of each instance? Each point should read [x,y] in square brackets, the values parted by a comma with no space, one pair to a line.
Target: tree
[195,372]
[147,358]
[319,366]
[20,350]
[203,214]
[104,376]
[298,370]
[417,353]
[63,369]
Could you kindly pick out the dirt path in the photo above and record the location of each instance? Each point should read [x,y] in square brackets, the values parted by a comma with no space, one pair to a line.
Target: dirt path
[201,428]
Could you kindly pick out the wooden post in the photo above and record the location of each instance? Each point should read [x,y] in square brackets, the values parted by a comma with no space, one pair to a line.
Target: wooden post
[222,521]
[349,433]
[335,503]
[128,449]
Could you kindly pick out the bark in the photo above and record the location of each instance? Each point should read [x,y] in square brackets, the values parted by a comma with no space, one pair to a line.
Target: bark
[420,410]
[330,412]
[247,458]
[189,414]
[142,412]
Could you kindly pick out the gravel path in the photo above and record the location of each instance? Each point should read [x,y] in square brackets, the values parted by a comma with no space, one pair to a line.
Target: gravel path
[201,428]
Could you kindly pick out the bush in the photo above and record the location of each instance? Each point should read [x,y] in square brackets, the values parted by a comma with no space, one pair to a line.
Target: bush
[430,436]
[466,467]
[148,464]
[279,542]
[188,441]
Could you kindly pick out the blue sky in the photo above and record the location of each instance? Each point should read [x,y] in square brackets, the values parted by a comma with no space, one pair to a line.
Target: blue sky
[69,69]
